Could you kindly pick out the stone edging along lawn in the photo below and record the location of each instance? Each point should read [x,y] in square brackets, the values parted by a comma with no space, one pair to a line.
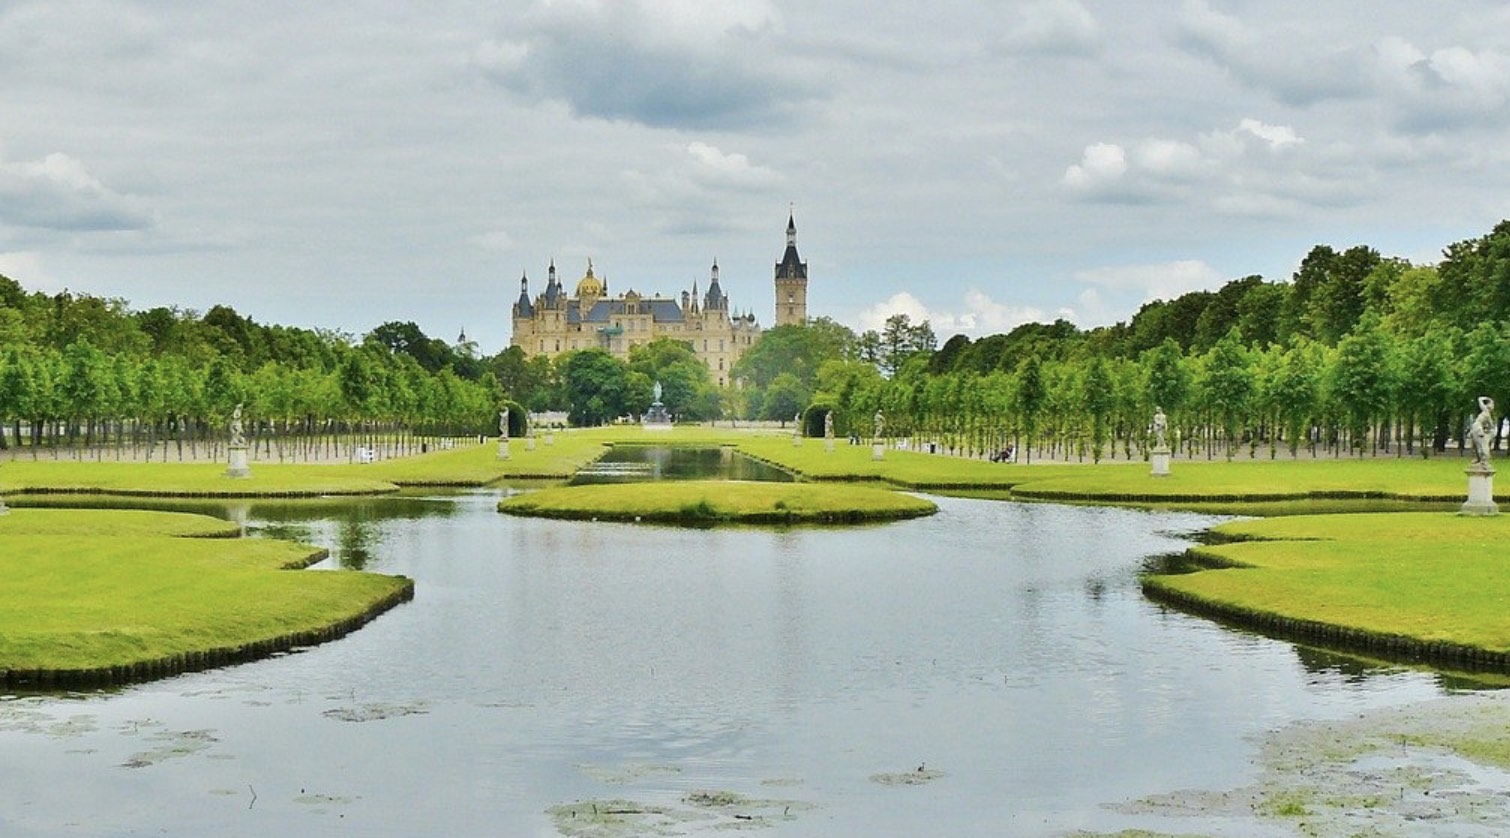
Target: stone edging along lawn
[135,595]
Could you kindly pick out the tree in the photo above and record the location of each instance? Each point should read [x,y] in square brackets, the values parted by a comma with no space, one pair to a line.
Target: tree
[1031,395]
[1100,399]
[1228,385]
[1429,387]
[1168,376]
[785,398]
[1363,378]
[597,386]
[899,340]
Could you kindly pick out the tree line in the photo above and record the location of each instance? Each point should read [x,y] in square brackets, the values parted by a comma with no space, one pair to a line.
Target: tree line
[88,373]
[1355,353]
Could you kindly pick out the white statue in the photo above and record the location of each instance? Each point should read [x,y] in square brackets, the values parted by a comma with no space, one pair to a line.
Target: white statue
[656,390]
[1160,425]
[1481,431]
[238,437]
[880,424]
[503,423]
[828,425]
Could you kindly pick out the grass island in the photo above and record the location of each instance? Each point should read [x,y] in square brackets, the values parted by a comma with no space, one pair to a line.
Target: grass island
[706,503]
[103,597]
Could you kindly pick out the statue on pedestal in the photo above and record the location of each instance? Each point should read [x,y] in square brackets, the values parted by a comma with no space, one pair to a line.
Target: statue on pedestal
[1481,432]
[238,437]
[1160,425]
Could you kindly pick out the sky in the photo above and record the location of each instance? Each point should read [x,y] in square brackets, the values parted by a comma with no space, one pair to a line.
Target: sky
[975,164]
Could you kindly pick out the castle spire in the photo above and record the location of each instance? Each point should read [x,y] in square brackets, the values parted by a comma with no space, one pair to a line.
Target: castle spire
[791,280]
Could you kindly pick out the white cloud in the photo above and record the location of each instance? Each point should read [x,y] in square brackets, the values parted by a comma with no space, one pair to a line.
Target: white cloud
[978,316]
[1101,165]
[1158,281]
[1450,86]
[1294,62]
[498,241]
[26,268]
[664,63]
[1089,310]
[711,166]
[1055,26]
[1277,136]
[58,193]
[1256,169]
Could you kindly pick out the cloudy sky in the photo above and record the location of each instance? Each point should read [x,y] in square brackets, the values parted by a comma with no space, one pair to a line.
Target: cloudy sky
[976,164]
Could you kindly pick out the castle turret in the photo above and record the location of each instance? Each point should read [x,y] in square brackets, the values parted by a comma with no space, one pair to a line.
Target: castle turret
[716,300]
[791,281]
[523,308]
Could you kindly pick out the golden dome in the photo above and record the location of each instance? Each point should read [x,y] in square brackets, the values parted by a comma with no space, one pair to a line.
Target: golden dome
[589,285]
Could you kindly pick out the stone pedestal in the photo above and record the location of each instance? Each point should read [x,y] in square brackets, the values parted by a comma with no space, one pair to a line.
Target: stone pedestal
[503,448]
[878,451]
[238,466]
[828,444]
[550,438]
[796,440]
[529,443]
[1480,492]
[1160,459]
[4,510]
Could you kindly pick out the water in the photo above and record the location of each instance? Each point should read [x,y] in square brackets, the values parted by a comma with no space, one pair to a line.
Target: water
[1004,646]
[663,462]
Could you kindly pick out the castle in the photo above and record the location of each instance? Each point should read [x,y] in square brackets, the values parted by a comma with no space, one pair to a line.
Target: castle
[554,323]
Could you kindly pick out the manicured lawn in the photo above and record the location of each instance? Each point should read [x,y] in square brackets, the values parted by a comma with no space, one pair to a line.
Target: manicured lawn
[701,503]
[903,468]
[115,523]
[187,479]
[1431,578]
[91,590]
[1214,482]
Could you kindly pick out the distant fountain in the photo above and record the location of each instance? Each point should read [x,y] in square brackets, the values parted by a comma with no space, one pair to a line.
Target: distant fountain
[657,418]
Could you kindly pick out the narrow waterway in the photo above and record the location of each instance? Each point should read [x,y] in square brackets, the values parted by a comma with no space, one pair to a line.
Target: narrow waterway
[1004,649]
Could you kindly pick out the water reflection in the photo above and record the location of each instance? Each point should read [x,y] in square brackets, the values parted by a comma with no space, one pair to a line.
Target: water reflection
[541,662]
[623,463]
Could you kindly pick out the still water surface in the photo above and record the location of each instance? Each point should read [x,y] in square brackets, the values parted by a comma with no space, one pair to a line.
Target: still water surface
[1004,646]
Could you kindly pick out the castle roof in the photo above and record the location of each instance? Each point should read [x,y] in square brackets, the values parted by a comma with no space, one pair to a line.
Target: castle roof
[791,265]
[603,311]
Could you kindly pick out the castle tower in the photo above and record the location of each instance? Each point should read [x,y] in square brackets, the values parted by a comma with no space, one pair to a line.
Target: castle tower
[791,281]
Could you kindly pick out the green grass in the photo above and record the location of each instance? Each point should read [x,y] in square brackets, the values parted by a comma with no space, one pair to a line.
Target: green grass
[88,590]
[115,523]
[910,469]
[719,502]
[187,479]
[1216,482]
[1422,577]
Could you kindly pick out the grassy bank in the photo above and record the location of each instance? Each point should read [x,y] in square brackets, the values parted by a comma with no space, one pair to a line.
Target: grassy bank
[703,503]
[1385,478]
[96,597]
[187,480]
[909,469]
[1413,584]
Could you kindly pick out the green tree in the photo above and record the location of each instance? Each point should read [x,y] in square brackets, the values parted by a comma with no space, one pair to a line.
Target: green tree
[1032,394]
[1228,385]
[785,398]
[597,386]
[1363,379]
